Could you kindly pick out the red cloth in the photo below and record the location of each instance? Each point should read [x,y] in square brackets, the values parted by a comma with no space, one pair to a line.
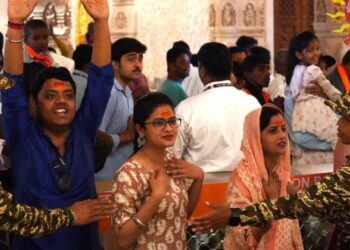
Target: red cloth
[43,59]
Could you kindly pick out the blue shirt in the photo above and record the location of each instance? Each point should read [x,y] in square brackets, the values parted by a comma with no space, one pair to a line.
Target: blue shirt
[32,154]
[115,121]
[303,139]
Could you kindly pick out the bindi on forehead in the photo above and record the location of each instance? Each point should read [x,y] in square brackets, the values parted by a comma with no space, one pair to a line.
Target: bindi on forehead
[278,123]
[60,85]
[166,113]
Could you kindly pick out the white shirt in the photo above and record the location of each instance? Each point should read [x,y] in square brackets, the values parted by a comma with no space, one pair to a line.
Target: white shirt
[211,130]
[277,86]
[193,84]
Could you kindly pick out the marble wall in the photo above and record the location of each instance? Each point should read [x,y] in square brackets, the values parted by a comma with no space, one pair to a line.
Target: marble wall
[160,23]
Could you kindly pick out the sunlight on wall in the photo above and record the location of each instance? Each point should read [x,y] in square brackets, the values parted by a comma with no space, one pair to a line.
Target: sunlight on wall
[160,23]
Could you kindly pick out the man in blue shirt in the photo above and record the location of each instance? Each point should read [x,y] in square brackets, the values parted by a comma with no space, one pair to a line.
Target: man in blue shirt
[51,147]
[127,55]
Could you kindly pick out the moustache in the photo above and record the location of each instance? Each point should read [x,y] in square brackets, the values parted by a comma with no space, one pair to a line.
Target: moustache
[136,70]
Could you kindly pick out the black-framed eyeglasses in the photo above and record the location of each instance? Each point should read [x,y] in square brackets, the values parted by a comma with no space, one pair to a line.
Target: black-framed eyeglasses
[160,123]
[64,179]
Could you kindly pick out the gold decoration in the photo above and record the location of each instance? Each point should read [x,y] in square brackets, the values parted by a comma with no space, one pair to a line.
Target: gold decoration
[82,22]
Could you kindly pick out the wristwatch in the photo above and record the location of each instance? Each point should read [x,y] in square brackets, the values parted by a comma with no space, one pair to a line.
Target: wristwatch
[234,218]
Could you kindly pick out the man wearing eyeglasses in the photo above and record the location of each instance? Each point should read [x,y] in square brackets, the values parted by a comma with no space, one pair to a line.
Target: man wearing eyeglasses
[127,56]
[52,150]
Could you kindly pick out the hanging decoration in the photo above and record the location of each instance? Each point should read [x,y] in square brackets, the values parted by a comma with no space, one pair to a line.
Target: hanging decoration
[342,17]
[82,22]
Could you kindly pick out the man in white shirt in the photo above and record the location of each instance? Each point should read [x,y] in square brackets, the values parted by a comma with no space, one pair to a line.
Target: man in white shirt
[212,122]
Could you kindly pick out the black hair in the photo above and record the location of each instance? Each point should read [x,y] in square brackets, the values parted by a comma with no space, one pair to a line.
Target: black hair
[182,44]
[246,42]
[33,25]
[297,44]
[266,114]
[194,60]
[216,59]
[126,45]
[237,70]
[82,56]
[145,106]
[30,72]
[59,73]
[258,50]
[251,61]
[174,53]
[1,42]
[346,58]
[236,49]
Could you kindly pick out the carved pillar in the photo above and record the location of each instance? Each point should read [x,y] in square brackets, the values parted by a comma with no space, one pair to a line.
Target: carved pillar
[122,19]
[232,18]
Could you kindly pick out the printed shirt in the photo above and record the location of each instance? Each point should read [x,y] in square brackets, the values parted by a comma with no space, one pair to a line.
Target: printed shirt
[167,228]
[29,221]
[329,198]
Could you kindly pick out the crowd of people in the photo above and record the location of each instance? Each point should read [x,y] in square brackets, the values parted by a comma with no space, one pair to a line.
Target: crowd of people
[217,116]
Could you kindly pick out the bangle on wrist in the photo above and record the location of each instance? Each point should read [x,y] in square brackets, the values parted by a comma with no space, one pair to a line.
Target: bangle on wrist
[15,25]
[13,40]
[139,223]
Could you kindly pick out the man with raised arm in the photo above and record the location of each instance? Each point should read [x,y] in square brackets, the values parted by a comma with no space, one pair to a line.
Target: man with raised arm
[51,147]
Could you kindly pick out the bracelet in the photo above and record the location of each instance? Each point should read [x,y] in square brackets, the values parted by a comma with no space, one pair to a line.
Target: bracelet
[14,41]
[14,25]
[139,223]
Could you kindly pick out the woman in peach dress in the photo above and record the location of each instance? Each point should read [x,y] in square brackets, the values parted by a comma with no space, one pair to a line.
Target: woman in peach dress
[263,173]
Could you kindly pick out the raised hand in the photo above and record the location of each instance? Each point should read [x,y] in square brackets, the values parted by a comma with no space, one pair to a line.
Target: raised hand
[19,10]
[97,9]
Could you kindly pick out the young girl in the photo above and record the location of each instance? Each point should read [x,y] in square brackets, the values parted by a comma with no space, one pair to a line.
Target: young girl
[310,113]
[153,201]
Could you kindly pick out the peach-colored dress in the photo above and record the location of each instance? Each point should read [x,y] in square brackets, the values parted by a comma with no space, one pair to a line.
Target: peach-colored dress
[167,228]
[246,188]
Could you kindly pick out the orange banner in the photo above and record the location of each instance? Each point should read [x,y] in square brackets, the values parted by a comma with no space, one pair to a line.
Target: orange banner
[305,181]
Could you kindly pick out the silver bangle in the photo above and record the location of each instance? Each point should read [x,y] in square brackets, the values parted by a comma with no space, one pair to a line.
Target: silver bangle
[14,41]
[139,223]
